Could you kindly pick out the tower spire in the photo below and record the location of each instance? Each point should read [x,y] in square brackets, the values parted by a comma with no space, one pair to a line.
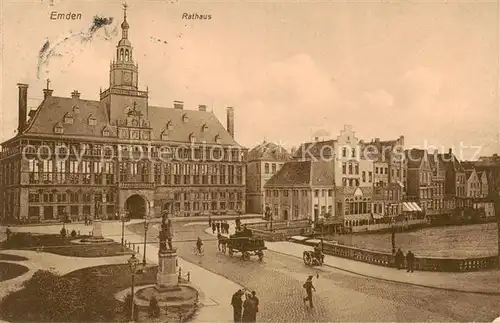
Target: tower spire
[125,25]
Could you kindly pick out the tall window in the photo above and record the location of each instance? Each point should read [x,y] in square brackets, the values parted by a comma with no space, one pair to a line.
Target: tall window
[344,168]
[274,168]
[363,176]
[266,168]
[356,169]
[350,168]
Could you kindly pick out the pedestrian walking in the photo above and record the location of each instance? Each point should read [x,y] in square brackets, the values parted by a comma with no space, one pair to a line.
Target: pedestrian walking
[399,259]
[410,261]
[213,227]
[308,285]
[237,304]
[249,309]
[256,299]
[218,226]
[209,221]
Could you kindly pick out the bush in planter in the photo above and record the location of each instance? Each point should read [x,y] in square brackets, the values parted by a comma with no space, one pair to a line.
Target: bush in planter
[63,232]
[73,233]
[154,308]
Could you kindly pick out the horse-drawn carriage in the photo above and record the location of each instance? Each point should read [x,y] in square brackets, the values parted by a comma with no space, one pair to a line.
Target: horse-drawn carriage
[246,244]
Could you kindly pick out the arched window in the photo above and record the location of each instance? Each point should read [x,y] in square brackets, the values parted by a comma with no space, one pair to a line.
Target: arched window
[185,118]
[121,55]
[164,136]
[204,128]
[266,168]
[126,55]
[192,137]
[170,126]
[217,139]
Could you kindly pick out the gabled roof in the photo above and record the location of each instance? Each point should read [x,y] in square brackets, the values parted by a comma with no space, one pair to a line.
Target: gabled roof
[53,109]
[195,122]
[305,173]
[315,148]
[268,151]
[451,162]
[380,150]
[414,157]
[203,125]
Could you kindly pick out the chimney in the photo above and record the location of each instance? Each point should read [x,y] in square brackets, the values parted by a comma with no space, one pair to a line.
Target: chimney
[179,105]
[23,106]
[449,151]
[230,121]
[316,138]
[202,107]
[47,93]
[377,139]
[75,94]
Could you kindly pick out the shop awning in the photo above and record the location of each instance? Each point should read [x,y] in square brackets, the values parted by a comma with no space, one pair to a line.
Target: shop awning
[411,207]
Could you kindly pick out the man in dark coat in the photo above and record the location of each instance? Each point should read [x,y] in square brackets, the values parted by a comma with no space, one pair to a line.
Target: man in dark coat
[308,285]
[218,226]
[399,259]
[213,227]
[237,304]
[410,261]
[256,299]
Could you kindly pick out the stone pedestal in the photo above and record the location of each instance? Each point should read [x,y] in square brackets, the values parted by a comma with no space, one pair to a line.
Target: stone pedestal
[97,228]
[167,278]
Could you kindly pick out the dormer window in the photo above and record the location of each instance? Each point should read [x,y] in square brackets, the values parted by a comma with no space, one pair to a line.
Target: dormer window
[105,133]
[92,121]
[185,118]
[204,128]
[192,137]
[164,136]
[170,126]
[76,109]
[68,118]
[217,139]
[58,128]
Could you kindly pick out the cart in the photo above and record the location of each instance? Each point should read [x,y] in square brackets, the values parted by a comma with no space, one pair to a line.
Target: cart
[247,246]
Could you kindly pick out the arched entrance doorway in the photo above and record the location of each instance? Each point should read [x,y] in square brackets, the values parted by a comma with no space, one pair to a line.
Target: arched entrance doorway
[136,206]
[285,215]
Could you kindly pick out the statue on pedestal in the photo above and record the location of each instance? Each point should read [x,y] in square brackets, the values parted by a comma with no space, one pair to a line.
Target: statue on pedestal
[166,233]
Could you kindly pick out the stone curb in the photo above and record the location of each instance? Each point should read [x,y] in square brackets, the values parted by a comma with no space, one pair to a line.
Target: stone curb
[399,281]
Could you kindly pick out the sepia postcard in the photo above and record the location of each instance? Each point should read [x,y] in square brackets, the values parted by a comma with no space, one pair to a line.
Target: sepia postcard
[249,161]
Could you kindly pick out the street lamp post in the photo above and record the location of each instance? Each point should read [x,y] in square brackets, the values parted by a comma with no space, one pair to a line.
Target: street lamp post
[145,237]
[133,262]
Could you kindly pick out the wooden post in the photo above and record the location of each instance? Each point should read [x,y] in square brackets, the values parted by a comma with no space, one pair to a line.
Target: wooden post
[497,215]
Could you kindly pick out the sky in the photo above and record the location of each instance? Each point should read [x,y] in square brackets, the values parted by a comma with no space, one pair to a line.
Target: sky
[292,70]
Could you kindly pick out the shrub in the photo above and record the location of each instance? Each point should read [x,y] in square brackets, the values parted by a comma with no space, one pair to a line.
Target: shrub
[73,233]
[63,232]
[154,308]
[49,297]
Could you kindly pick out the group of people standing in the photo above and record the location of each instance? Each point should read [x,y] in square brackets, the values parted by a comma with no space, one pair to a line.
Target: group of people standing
[245,310]
[219,226]
[399,260]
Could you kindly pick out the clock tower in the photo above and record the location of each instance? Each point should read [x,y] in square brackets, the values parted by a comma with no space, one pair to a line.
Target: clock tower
[123,92]
[124,72]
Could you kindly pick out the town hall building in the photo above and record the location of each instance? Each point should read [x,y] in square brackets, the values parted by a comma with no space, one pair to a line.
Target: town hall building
[76,158]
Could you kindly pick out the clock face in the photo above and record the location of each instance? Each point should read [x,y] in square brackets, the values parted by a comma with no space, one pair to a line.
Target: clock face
[127,77]
[134,134]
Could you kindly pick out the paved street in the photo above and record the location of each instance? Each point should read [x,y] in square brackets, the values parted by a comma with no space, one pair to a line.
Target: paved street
[340,296]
